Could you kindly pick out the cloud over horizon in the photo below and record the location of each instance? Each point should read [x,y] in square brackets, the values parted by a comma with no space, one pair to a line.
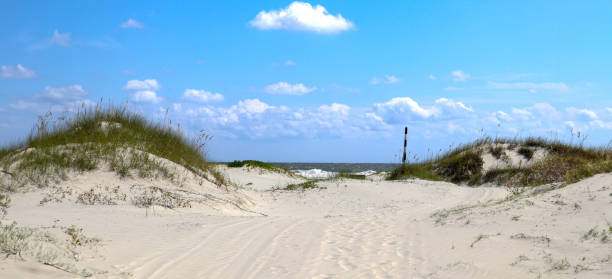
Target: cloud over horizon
[284,88]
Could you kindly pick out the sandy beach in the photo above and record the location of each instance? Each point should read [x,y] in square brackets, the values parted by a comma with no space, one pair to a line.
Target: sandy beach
[344,229]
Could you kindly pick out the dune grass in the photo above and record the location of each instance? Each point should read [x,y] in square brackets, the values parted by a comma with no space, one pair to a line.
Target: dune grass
[81,141]
[566,162]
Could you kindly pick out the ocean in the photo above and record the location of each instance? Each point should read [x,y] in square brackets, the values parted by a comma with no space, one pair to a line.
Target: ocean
[324,170]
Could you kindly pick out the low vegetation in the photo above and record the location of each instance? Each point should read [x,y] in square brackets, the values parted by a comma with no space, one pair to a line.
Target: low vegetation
[311,184]
[45,246]
[103,137]
[251,164]
[564,162]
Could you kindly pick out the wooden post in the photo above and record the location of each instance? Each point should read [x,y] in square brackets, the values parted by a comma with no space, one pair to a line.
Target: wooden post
[405,142]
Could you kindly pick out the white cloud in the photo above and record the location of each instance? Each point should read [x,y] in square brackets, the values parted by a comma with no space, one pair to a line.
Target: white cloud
[531,86]
[457,106]
[202,95]
[432,77]
[335,108]
[132,23]
[459,76]
[602,124]
[147,84]
[290,63]
[302,16]
[401,108]
[581,112]
[502,115]
[388,79]
[60,39]
[146,96]
[16,72]
[145,90]
[251,106]
[288,89]
[71,92]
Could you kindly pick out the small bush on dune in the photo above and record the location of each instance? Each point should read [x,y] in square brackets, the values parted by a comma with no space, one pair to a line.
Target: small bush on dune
[414,171]
[526,152]
[151,196]
[460,167]
[496,151]
[5,201]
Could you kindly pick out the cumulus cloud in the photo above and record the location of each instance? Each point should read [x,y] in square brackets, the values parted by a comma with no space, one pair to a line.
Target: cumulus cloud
[388,79]
[146,96]
[432,77]
[251,106]
[16,72]
[530,86]
[71,92]
[147,84]
[403,107]
[288,89]
[202,96]
[584,113]
[132,23]
[302,16]
[290,63]
[54,99]
[145,90]
[335,108]
[459,76]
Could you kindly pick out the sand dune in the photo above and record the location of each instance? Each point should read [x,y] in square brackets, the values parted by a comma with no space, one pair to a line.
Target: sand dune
[345,229]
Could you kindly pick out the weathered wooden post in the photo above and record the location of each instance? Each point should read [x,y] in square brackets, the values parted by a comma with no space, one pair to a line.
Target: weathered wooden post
[405,142]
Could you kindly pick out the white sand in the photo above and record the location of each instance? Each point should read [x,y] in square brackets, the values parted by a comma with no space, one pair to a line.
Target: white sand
[352,229]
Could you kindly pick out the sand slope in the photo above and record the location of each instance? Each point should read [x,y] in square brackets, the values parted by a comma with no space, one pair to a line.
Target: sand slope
[351,229]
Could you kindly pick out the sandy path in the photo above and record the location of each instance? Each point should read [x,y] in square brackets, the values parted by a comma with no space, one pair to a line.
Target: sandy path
[351,229]
[362,235]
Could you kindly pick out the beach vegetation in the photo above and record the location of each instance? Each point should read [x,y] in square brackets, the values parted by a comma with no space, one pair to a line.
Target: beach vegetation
[254,164]
[104,136]
[565,162]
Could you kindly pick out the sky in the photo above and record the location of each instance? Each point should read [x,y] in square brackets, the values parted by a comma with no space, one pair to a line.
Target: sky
[326,81]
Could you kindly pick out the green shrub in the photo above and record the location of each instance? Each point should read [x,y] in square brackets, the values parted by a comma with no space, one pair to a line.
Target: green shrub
[460,167]
[496,151]
[421,171]
[526,152]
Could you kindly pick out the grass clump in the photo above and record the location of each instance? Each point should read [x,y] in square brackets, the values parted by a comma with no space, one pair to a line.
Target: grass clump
[347,175]
[101,196]
[260,165]
[44,247]
[461,167]
[497,151]
[422,171]
[151,196]
[526,152]
[5,202]
[311,184]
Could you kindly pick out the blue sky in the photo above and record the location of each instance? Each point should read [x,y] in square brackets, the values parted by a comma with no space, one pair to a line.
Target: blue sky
[328,81]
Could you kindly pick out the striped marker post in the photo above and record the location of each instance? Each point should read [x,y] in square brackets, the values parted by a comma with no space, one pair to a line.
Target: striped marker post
[405,142]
